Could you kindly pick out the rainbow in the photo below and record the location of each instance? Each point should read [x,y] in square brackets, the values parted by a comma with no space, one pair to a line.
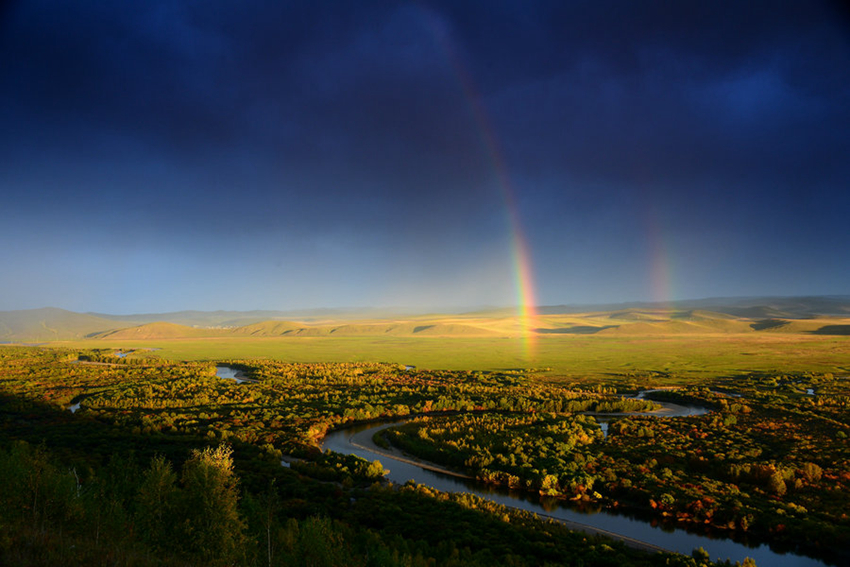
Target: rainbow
[522,264]
[660,254]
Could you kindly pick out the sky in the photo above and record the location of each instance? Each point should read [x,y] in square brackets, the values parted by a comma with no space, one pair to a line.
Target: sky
[165,155]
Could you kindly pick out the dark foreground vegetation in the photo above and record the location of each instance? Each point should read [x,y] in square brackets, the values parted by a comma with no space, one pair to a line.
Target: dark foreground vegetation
[166,464]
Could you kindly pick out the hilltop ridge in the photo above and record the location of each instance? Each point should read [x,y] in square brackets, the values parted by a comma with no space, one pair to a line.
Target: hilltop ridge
[828,315]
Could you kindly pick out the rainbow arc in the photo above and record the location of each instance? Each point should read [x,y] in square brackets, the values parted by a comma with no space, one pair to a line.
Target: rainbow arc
[521,256]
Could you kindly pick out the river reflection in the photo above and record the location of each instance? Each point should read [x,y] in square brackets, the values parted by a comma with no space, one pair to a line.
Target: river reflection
[355,441]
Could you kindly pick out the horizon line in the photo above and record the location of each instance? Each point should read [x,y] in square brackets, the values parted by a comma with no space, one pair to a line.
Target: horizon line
[457,310]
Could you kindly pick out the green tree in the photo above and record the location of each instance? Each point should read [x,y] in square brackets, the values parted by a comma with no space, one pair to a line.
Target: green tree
[212,525]
[320,544]
[155,502]
[701,555]
[263,509]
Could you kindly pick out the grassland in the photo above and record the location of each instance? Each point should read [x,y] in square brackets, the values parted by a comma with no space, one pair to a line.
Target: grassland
[647,345]
[668,357]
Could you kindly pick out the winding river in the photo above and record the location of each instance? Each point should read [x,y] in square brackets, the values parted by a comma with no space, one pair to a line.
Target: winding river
[636,532]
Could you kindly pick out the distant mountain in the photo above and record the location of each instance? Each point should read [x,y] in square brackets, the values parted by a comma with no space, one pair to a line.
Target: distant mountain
[749,307]
[52,324]
[200,318]
[232,319]
[826,315]
[788,307]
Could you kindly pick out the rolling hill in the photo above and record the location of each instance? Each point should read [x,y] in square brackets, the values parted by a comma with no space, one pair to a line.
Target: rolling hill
[52,324]
[160,330]
[807,315]
[432,328]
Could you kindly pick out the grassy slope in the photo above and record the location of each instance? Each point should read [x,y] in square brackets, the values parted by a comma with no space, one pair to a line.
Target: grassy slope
[159,331]
[686,344]
[53,324]
[50,324]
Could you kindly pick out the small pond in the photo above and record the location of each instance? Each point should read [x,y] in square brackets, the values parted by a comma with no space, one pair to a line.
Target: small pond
[229,373]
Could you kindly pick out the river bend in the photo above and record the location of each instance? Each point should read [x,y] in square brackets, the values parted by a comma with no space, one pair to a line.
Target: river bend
[638,533]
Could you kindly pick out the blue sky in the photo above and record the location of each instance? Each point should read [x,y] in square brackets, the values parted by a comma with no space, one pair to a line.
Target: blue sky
[180,155]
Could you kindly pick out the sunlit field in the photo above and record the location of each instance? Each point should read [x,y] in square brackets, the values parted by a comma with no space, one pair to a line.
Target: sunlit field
[670,358]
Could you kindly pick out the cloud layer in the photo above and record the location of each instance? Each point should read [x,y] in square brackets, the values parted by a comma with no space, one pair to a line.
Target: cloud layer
[171,155]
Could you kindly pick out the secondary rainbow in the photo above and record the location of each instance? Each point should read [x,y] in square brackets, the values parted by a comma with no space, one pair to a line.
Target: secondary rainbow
[660,251]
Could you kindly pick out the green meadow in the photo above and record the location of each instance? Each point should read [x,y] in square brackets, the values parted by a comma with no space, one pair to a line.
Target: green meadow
[641,345]
[668,358]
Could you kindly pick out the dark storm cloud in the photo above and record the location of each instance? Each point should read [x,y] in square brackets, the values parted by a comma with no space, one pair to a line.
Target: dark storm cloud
[588,86]
[363,92]
[542,38]
[354,129]
[673,90]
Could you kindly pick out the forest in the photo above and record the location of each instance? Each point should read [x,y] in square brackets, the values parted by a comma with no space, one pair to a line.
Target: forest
[164,463]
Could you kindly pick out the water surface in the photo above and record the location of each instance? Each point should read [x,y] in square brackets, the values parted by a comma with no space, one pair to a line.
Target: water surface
[229,373]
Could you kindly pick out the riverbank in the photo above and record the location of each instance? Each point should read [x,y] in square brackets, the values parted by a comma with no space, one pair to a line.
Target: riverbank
[365,440]
[637,533]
